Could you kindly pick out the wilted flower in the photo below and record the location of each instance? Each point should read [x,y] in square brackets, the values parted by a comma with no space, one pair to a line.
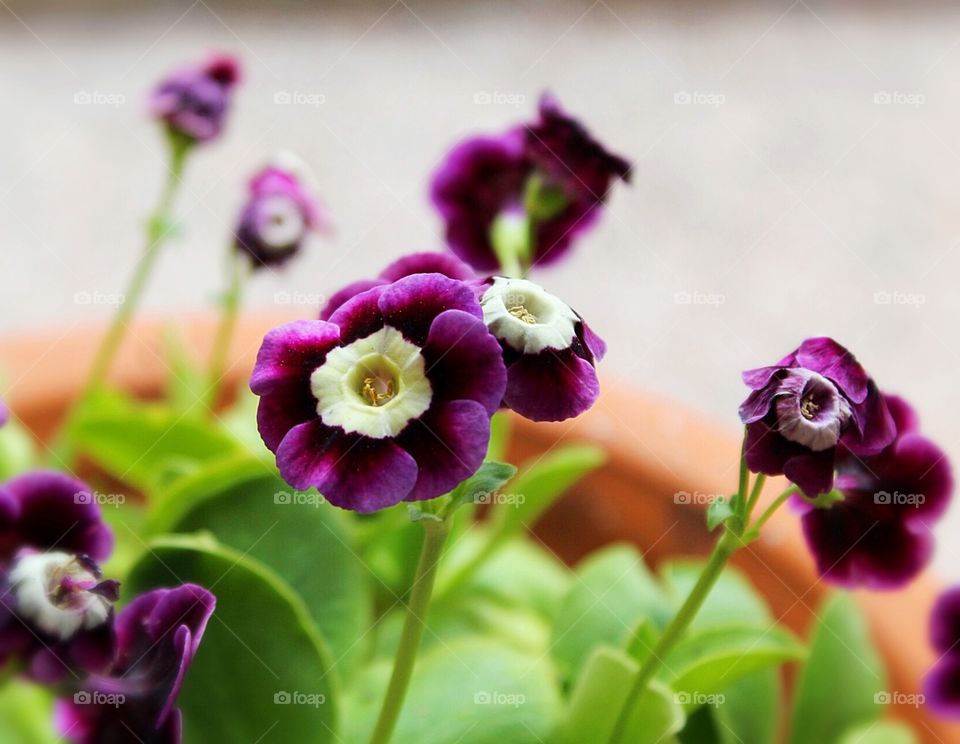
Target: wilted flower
[158,634]
[193,102]
[548,348]
[426,262]
[807,404]
[281,210]
[879,534]
[388,401]
[942,685]
[541,184]
[55,609]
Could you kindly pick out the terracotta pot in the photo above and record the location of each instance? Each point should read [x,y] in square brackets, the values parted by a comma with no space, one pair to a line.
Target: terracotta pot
[656,449]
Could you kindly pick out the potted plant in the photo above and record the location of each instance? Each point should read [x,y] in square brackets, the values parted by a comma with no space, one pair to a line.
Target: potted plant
[328,542]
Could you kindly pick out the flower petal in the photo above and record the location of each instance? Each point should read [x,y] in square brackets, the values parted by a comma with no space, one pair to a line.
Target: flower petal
[945,622]
[359,316]
[348,292]
[830,359]
[290,353]
[551,385]
[427,262]
[411,304]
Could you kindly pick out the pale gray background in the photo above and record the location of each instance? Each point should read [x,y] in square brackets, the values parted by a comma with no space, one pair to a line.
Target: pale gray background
[789,205]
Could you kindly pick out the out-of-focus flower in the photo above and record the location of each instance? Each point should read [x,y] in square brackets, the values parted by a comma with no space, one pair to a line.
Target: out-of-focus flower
[158,634]
[388,401]
[942,685]
[807,404]
[548,348]
[55,609]
[426,262]
[282,208]
[541,184]
[879,535]
[193,101]
[4,413]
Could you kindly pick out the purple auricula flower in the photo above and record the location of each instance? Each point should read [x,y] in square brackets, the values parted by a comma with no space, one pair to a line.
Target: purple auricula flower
[4,413]
[425,262]
[942,685]
[388,401]
[193,101]
[548,349]
[158,634]
[879,534]
[549,178]
[802,408]
[281,210]
[55,609]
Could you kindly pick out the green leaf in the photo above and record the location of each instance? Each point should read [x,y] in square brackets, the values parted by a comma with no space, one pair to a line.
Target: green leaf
[470,692]
[146,444]
[732,600]
[480,487]
[751,709]
[187,383]
[501,428]
[719,512]
[260,655]
[701,666]
[17,451]
[27,714]
[880,732]
[643,640]
[601,693]
[612,593]
[841,658]
[245,504]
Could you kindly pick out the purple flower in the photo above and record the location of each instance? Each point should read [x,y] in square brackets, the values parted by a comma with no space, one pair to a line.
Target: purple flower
[802,408]
[135,701]
[193,102]
[388,401]
[55,610]
[426,262]
[4,413]
[942,685]
[280,211]
[551,172]
[548,349]
[879,535]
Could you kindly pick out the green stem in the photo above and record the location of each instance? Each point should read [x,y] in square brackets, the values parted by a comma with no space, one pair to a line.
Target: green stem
[158,229]
[434,537]
[762,520]
[228,322]
[755,492]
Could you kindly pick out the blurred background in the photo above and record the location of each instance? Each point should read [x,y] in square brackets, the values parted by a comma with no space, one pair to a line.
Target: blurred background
[796,168]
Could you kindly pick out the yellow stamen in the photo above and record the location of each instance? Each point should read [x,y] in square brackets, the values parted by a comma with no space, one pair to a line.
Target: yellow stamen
[373,396]
[520,312]
[808,408]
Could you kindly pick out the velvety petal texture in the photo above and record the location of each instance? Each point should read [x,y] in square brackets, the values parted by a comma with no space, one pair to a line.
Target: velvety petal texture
[193,102]
[880,534]
[942,684]
[157,638]
[799,411]
[390,398]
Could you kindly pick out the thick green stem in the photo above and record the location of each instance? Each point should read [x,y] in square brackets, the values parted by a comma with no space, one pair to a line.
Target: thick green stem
[434,537]
[158,229]
[228,322]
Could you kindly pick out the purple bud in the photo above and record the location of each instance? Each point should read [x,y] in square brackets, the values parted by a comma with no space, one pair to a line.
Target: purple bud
[194,101]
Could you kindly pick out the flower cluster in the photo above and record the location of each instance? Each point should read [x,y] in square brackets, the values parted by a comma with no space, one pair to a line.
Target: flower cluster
[871,485]
[541,184]
[193,102]
[280,211]
[942,685]
[57,620]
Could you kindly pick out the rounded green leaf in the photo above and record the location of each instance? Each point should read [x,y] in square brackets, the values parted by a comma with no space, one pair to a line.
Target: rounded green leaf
[263,672]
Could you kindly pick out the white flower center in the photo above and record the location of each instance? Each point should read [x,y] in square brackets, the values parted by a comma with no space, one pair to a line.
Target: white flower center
[816,417]
[283,222]
[51,592]
[374,386]
[527,317]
